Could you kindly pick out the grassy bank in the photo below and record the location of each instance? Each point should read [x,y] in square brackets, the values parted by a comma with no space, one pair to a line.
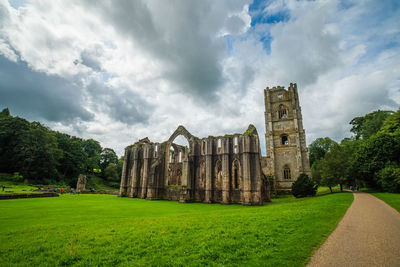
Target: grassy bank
[104,229]
[390,198]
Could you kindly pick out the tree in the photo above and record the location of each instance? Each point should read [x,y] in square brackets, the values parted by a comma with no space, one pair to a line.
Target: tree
[336,165]
[111,173]
[392,123]
[304,186]
[120,166]
[374,154]
[108,156]
[318,148]
[368,125]
[93,150]
[5,113]
[388,178]
[74,158]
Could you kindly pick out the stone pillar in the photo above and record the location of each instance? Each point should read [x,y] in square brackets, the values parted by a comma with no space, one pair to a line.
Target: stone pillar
[208,191]
[128,180]
[145,171]
[246,171]
[225,171]
[256,196]
[134,174]
[122,191]
[186,179]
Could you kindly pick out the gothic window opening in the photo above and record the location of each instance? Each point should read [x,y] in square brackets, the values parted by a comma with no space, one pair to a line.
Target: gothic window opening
[235,178]
[155,150]
[203,147]
[218,175]
[235,145]
[282,112]
[286,173]
[285,140]
[180,156]
[219,143]
[179,177]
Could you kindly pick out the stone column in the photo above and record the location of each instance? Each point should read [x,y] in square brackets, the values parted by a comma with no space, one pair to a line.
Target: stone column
[246,171]
[225,171]
[122,190]
[257,197]
[208,191]
[145,171]
[134,174]
[186,179]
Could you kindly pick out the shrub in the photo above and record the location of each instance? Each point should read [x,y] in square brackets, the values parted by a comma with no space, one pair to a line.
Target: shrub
[388,178]
[304,186]
[17,177]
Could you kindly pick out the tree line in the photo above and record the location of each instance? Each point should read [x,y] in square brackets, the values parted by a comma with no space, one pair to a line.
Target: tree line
[40,155]
[370,158]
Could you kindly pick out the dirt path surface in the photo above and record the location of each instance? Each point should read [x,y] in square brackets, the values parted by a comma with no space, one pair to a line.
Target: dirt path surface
[368,235]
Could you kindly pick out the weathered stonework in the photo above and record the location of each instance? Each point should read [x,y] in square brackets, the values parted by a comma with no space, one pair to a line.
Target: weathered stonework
[81,184]
[224,169]
[285,138]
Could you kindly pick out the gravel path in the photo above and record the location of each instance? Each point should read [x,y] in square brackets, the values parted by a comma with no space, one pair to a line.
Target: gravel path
[368,235]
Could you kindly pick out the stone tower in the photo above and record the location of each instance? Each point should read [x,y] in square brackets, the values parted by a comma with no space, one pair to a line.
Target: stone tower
[285,138]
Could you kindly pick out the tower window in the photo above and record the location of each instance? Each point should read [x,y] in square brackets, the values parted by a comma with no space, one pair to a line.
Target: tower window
[285,140]
[180,156]
[219,143]
[286,173]
[282,112]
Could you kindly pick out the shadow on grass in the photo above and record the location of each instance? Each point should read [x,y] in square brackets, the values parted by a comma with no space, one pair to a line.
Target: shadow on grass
[322,191]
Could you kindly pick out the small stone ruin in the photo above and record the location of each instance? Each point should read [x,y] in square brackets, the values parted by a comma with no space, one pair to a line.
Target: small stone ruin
[81,184]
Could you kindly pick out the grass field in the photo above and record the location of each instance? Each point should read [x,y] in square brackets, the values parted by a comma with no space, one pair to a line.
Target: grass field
[16,188]
[390,198]
[107,230]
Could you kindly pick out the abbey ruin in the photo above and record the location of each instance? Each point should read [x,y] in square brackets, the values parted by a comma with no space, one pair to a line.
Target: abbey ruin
[223,169]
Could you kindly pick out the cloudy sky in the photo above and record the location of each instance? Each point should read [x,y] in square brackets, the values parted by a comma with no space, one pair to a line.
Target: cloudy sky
[117,71]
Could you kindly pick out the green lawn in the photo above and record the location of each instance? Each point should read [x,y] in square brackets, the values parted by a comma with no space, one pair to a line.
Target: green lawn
[107,230]
[13,188]
[392,199]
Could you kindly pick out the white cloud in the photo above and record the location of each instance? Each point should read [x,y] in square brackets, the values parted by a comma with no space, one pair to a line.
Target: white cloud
[141,68]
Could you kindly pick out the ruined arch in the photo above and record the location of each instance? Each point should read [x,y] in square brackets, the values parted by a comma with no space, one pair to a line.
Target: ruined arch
[182,131]
[178,169]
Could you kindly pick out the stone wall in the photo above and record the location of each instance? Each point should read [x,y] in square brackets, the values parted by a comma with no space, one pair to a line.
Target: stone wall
[27,195]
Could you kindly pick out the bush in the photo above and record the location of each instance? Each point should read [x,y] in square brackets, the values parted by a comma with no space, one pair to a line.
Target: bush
[111,173]
[304,186]
[388,178]
[17,177]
